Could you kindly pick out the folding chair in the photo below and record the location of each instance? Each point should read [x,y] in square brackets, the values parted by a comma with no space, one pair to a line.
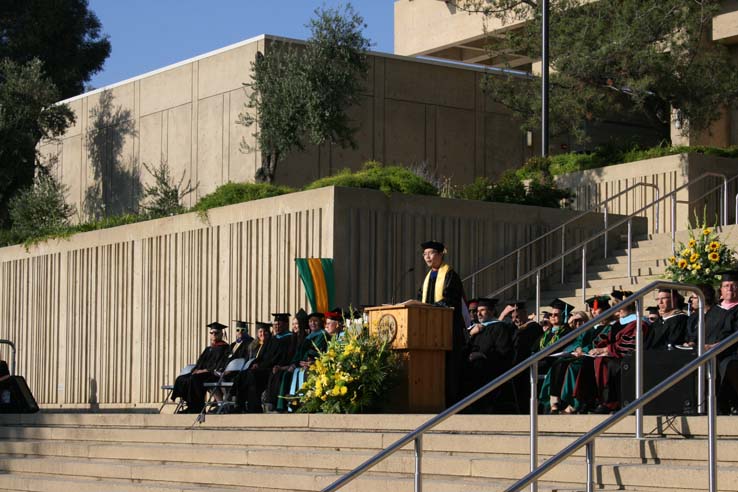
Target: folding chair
[235,365]
[170,387]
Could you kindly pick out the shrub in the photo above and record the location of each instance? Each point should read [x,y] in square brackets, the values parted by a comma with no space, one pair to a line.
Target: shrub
[536,189]
[164,197]
[40,209]
[231,193]
[377,176]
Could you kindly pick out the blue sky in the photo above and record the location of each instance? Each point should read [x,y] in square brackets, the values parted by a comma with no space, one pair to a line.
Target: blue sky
[146,35]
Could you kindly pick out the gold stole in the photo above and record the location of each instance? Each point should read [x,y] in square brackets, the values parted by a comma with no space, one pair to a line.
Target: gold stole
[235,347]
[440,282]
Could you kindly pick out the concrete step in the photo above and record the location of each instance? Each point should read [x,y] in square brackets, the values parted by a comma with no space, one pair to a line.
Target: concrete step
[24,482]
[90,426]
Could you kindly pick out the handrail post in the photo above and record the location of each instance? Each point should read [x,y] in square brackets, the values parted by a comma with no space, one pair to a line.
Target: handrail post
[711,444]
[584,273]
[563,250]
[474,286]
[630,250]
[538,295]
[700,351]
[725,201]
[517,274]
[658,203]
[736,208]
[605,218]
[418,463]
[673,222]
[639,365]
[590,453]
[533,422]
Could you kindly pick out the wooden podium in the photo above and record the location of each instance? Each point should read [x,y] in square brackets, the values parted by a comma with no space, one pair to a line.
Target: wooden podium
[421,333]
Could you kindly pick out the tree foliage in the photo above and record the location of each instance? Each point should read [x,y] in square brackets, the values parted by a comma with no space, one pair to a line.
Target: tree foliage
[64,34]
[27,115]
[164,196]
[41,208]
[638,56]
[300,94]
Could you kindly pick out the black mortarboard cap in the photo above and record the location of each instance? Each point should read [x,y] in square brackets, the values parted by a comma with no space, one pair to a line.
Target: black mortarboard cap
[241,324]
[263,324]
[437,245]
[652,310]
[621,294]
[216,326]
[301,314]
[559,304]
[488,303]
[602,300]
[316,315]
[731,276]
[281,316]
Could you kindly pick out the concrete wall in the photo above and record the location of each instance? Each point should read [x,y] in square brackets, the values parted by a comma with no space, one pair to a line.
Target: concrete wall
[106,317]
[667,174]
[413,112]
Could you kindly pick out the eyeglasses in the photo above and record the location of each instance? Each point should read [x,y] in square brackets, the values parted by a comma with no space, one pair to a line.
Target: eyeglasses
[240,330]
[577,321]
[214,332]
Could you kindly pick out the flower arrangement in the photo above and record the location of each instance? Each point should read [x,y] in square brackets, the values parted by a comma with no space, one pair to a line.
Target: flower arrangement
[350,376]
[702,259]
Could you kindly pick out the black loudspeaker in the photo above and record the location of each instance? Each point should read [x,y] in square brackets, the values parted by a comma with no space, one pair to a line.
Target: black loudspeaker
[680,399]
[16,397]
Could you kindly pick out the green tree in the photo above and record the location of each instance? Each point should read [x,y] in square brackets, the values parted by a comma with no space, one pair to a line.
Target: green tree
[64,34]
[27,115]
[164,196]
[642,57]
[300,94]
[41,208]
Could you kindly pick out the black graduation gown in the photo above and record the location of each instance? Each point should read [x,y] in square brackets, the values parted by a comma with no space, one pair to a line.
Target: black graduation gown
[240,350]
[251,384]
[453,296]
[190,387]
[727,392]
[671,330]
[487,355]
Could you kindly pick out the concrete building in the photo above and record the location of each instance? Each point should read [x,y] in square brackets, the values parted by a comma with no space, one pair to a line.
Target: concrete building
[414,112]
[444,31]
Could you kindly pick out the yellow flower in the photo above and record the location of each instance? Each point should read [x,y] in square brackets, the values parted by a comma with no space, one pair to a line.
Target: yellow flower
[672,260]
[696,267]
[686,252]
[714,246]
[682,263]
[707,231]
[336,390]
[344,390]
[713,257]
[692,243]
[694,257]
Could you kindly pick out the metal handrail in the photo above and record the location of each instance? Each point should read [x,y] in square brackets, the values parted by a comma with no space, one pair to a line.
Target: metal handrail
[592,209]
[532,364]
[12,355]
[588,438]
[628,218]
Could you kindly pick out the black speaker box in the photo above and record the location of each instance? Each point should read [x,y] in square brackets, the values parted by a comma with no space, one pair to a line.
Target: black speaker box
[16,397]
[680,399]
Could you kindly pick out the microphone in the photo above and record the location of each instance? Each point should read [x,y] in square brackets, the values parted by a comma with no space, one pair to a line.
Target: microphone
[397,285]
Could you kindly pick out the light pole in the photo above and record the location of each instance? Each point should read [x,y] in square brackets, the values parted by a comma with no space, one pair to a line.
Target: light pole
[544,78]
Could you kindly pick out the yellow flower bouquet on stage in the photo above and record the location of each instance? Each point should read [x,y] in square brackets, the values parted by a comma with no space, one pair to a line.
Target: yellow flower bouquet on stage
[351,376]
[702,259]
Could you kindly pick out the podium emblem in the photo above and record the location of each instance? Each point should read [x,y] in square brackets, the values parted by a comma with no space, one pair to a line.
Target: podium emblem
[387,328]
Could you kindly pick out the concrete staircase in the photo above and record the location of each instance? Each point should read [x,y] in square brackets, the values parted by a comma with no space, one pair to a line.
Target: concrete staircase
[158,453]
[650,255]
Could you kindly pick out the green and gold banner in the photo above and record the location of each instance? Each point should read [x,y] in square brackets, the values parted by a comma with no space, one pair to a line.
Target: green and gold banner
[317,277]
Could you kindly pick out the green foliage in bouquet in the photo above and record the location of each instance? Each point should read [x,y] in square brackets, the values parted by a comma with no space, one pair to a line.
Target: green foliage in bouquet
[702,259]
[350,376]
